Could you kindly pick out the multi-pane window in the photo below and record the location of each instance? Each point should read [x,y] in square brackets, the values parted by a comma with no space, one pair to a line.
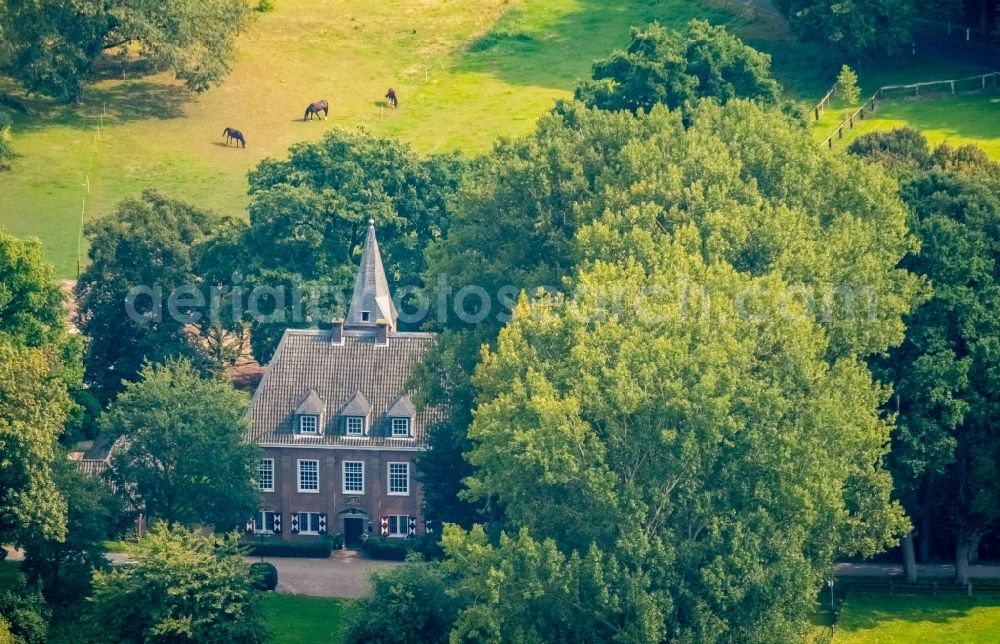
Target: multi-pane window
[265,475]
[308,522]
[355,426]
[308,424]
[399,478]
[264,523]
[400,427]
[354,477]
[399,525]
[308,476]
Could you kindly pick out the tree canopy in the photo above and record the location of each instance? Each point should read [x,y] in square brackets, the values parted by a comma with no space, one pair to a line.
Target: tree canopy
[309,213]
[148,243]
[662,66]
[39,363]
[944,374]
[53,45]
[183,587]
[676,424]
[182,457]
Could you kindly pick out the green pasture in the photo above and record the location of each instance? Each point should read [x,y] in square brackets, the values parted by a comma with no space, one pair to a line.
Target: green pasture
[956,120]
[466,71]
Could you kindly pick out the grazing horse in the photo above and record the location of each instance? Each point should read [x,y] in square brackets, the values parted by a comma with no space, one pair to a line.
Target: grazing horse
[316,108]
[232,134]
[391,95]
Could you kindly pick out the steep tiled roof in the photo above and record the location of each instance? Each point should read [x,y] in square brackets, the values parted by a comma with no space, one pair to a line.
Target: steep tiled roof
[358,405]
[402,408]
[371,289]
[306,359]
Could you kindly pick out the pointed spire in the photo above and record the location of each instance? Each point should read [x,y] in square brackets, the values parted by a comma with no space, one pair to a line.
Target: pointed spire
[372,300]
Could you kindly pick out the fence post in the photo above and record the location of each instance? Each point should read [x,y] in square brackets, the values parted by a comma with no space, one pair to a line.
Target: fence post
[840,132]
[850,121]
[934,589]
[817,107]
[952,88]
[861,113]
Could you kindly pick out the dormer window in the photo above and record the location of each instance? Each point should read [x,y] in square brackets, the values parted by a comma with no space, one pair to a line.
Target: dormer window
[309,424]
[366,316]
[400,427]
[355,425]
[309,415]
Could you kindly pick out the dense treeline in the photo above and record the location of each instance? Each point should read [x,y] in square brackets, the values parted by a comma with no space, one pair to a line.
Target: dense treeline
[945,447]
[885,27]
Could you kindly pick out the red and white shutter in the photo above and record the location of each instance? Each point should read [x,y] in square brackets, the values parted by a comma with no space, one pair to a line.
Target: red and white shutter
[411,526]
[322,524]
[277,523]
[384,526]
[295,522]
[251,526]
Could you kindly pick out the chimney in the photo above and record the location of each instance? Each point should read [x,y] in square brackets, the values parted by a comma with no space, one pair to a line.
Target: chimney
[382,332]
[338,331]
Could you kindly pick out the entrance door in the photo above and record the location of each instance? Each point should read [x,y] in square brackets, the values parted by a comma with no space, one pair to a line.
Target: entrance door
[353,529]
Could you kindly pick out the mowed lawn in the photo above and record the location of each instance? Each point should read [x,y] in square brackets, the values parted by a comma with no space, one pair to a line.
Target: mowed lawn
[880,619]
[466,72]
[295,619]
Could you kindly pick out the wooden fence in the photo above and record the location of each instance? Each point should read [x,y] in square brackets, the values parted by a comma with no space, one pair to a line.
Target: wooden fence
[981,82]
[933,587]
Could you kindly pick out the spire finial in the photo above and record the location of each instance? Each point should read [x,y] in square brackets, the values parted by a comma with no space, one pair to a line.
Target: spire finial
[371,221]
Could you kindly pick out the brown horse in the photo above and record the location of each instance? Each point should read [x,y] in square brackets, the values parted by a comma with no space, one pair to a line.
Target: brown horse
[232,134]
[316,108]
[391,95]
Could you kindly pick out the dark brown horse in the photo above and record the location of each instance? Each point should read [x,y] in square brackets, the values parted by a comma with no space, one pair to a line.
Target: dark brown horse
[232,134]
[391,95]
[316,108]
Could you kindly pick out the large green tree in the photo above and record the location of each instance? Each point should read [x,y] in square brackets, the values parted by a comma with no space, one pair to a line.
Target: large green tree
[308,216]
[661,66]
[182,457]
[39,364]
[183,587]
[944,374]
[139,255]
[688,412]
[53,44]
[63,567]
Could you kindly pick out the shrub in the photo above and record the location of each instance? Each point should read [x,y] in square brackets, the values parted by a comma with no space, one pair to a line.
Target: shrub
[900,147]
[26,615]
[389,549]
[407,604]
[265,6]
[338,541]
[265,575]
[320,548]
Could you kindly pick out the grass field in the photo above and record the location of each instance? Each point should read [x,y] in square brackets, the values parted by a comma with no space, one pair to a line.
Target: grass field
[959,120]
[878,619]
[293,619]
[466,72]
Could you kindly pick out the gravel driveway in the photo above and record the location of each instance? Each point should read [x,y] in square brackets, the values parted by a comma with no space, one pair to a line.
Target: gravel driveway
[344,574]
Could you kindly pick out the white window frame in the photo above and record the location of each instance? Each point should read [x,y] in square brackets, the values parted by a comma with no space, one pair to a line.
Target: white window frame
[343,469]
[260,521]
[269,472]
[402,522]
[298,470]
[404,423]
[347,426]
[388,481]
[314,421]
[306,514]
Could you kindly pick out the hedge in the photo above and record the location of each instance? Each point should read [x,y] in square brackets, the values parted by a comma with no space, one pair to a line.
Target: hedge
[319,548]
[391,549]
